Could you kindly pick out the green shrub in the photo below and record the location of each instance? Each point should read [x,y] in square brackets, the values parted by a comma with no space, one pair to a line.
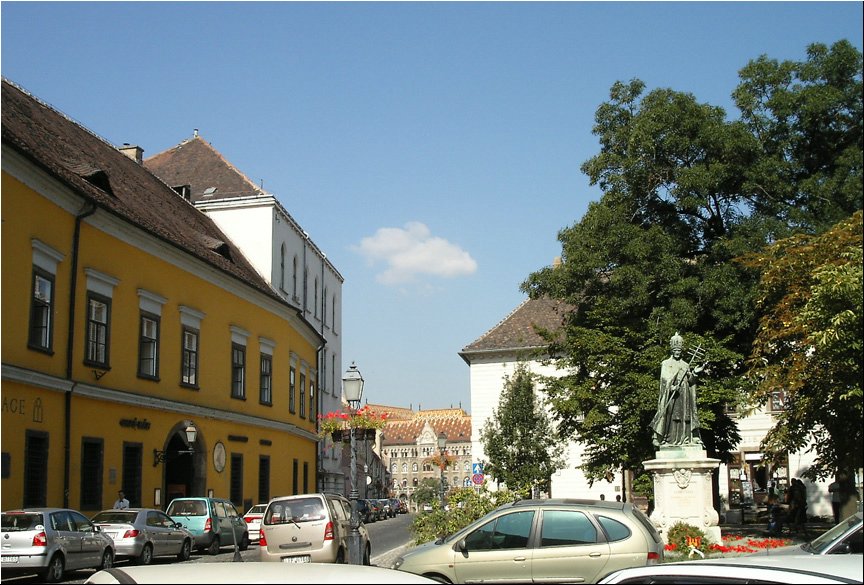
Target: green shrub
[466,505]
[682,536]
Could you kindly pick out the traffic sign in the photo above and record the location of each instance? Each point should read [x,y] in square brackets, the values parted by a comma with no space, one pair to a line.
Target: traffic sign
[477,478]
[476,468]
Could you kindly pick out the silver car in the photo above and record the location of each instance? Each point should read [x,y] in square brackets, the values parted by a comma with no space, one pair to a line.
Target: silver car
[144,533]
[51,541]
[843,539]
[544,541]
[310,528]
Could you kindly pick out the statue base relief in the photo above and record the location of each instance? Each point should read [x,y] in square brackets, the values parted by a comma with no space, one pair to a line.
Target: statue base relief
[682,489]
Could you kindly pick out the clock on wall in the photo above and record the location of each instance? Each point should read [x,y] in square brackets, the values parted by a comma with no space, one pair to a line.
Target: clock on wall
[219,456]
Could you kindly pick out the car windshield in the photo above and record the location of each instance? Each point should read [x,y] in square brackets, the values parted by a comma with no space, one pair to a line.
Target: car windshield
[819,544]
[18,522]
[115,517]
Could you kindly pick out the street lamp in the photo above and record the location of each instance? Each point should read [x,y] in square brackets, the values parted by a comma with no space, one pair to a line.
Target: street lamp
[191,433]
[442,445]
[352,390]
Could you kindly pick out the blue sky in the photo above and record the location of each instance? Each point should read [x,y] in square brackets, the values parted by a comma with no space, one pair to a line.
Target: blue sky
[431,150]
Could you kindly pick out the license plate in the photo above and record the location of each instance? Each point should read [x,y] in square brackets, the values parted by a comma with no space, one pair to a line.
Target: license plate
[10,560]
[302,559]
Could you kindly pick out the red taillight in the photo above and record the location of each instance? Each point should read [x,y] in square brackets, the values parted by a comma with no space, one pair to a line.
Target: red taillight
[40,540]
[131,533]
[208,525]
[653,558]
[262,540]
[328,531]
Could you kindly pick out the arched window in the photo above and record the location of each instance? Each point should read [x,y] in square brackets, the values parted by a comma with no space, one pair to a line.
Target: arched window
[427,467]
[315,297]
[404,468]
[415,482]
[294,278]
[393,467]
[404,483]
[324,310]
[414,467]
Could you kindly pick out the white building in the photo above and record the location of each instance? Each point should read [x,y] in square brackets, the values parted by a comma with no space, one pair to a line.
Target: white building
[284,254]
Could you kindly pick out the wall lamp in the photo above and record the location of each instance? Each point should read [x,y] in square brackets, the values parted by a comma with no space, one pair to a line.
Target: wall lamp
[191,434]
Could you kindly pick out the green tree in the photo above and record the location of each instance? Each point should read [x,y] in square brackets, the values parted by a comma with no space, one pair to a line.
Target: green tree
[427,492]
[685,192]
[809,345]
[522,446]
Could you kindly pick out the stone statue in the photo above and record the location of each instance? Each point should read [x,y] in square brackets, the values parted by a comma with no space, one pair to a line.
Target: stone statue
[676,421]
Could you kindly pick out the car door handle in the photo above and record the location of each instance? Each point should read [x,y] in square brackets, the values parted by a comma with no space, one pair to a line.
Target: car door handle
[594,554]
[519,559]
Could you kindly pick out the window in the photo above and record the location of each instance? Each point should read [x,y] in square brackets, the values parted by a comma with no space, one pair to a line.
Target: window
[41,311]
[294,279]
[148,347]
[292,386]
[302,398]
[98,327]
[35,469]
[236,478]
[294,478]
[778,401]
[311,399]
[505,532]
[615,530]
[324,310]
[566,528]
[238,371]
[315,298]
[282,268]
[266,388]
[189,373]
[414,467]
[404,468]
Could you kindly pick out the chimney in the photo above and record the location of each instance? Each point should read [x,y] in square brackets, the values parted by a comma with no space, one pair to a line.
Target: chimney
[136,153]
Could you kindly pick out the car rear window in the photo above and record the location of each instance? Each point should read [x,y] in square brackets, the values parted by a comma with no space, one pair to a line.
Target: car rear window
[649,527]
[18,522]
[115,517]
[188,508]
[294,510]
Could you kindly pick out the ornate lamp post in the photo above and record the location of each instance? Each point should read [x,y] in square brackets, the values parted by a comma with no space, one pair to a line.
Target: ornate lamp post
[352,390]
[442,446]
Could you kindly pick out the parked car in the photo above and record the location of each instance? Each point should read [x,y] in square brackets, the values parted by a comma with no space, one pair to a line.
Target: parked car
[217,573]
[309,528]
[51,541]
[214,522]
[844,538]
[398,505]
[747,569]
[546,541]
[366,511]
[253,520]
[141,534]
[376,509]
[386,509]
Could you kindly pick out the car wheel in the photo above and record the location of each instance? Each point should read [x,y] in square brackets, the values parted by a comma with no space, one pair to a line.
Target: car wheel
[54,572]
[185,551]
[146,556]
[107,559]
[214,547]
[367,555]
[244,542]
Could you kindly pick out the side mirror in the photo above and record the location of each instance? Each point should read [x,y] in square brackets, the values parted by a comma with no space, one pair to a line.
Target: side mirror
[462,547]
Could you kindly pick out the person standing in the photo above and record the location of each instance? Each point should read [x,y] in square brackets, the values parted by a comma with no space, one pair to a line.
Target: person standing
[676,421]
[121,503]
[837,489]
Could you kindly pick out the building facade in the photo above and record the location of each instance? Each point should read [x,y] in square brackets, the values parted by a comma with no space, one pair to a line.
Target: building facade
[409,443]
[281,251]
[130,318]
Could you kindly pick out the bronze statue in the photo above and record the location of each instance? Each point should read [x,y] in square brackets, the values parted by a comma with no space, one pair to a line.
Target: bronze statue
[676,421]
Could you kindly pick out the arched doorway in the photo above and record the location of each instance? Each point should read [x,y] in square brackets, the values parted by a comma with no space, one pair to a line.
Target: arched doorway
[183,464]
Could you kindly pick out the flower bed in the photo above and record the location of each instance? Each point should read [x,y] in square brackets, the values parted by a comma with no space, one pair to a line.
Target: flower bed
[732,545]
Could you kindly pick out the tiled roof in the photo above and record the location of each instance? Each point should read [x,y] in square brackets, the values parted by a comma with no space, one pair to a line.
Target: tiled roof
[100,173]
[404,425]
[210,176]
[518,330]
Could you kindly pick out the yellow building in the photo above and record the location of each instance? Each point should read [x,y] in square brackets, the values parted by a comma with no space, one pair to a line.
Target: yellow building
[129,318]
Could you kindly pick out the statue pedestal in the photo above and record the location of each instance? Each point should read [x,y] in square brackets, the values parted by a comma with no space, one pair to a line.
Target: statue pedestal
[682,489]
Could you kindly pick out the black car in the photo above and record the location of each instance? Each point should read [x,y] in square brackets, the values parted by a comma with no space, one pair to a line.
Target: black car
[366,511]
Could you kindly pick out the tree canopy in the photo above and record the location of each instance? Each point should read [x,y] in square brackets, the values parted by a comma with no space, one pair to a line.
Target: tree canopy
[685,192]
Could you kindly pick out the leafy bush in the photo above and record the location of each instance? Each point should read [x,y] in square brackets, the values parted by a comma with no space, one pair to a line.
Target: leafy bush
[682,536]
[465,506]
